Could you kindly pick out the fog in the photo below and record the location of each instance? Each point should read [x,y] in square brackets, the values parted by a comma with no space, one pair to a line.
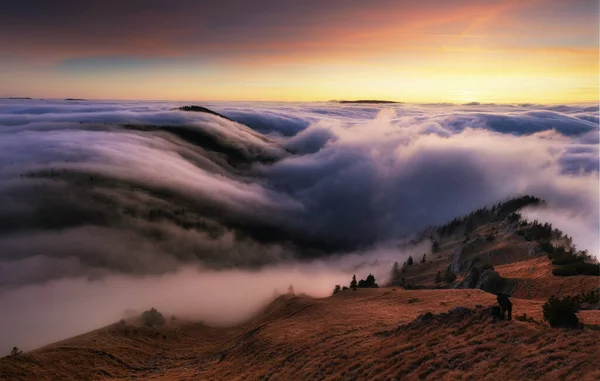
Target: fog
[113,205]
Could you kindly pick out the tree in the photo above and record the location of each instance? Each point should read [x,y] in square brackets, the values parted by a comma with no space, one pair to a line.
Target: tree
[353,283]
[395,271]
[409,261]
[336,289]
[152,317]
[368,283]
[449,277]
[15,352]
[291,290]
[438,277]
[424,258]
[435,246]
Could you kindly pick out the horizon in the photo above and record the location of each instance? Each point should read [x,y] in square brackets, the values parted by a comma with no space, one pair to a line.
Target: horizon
[537,51]
[386,102]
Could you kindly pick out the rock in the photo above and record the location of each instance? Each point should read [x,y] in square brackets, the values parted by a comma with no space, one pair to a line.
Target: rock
[456,259]
[534,250]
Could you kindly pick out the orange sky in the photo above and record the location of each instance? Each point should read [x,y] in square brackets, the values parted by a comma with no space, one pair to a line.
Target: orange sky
[543,51]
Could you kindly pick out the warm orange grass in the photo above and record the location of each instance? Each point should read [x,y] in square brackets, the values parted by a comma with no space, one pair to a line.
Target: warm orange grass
[535,280]
[349,336]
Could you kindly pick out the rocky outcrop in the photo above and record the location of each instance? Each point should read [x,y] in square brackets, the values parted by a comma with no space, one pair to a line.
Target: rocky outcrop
[487,280]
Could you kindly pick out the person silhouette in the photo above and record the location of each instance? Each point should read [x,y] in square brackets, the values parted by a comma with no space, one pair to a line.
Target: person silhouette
[505,305]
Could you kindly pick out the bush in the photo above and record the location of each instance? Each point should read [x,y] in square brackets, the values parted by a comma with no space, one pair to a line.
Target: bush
[368,283]
[577,268]
[591,297]
[336,289]
[560,313]
[15,352]
[152,317]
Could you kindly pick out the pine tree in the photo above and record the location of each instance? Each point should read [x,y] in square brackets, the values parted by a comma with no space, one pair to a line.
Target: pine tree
[449,277]
[336,289]
[353,283]
[395,271]
[438,277]
[409,261]
[424,258]
[435,246]
[291,290]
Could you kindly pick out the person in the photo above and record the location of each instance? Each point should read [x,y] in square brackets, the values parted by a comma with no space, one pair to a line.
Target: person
[505,305]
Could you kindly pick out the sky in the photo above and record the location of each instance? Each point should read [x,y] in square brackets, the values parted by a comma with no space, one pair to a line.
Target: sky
[541,51]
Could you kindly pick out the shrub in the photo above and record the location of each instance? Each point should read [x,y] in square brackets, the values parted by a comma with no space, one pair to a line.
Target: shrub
[336,289]
[560,313]
[122,321]
[152,317]
[591,297]
[577,268]
[368,283]
[15,352]
[353,283]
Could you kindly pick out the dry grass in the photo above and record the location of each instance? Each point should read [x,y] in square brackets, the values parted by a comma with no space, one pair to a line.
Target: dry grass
[349,336]
[534,280]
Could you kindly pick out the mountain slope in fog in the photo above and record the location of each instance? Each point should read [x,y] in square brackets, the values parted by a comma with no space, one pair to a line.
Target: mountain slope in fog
[367,334]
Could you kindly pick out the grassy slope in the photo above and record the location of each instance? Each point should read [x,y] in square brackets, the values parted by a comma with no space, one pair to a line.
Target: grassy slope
[352,335]
[535,280]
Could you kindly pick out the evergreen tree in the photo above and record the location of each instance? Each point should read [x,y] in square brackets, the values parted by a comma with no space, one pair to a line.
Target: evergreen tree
[409,261]
[449,277]
[353,283]
[424,258]
[291,290]
[435,246]
[368,283]
[395,272]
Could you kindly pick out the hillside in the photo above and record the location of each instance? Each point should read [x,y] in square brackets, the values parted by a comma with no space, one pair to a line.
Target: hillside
[367,334]
[496,250]
[419,327]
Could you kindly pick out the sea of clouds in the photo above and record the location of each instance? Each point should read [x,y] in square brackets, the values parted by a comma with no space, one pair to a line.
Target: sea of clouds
[110,205]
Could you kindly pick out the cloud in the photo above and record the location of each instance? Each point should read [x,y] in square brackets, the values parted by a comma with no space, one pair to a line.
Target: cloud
[195,188]
[156,212]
